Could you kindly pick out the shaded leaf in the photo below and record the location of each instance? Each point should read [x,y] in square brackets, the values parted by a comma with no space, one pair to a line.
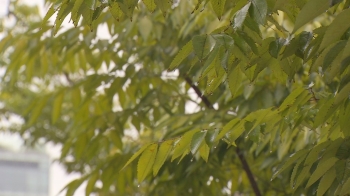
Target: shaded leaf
[259,8]
[197,140]
[202,45]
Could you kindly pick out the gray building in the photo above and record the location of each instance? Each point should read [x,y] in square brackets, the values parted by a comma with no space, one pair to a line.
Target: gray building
[24,173]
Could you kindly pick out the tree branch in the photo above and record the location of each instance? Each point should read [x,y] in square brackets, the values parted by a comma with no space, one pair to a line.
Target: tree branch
[239,153]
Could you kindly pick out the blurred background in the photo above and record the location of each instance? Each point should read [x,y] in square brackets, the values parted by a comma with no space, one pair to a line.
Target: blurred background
[24,171]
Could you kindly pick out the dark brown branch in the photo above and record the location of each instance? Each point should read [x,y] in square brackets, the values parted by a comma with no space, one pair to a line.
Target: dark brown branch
[249,173]
[204,99]
[239,153]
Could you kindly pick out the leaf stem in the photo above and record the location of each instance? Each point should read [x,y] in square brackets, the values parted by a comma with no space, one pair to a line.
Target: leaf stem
[239,153]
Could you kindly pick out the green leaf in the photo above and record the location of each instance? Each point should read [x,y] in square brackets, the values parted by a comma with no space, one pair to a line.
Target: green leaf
[323,166]
[294,173]
[259,11]
[163,5]
[73,186]
[61,15]
[228,127]
[197,140]
[39,106]
[218,7]
[91,183]
[344,93]
[136,155]
[181,55]
[275,47]
[235,80]
[48,15]
[323,113]
[183,144]
[151,6]
[311,10]
[115,10]
[346,187]
[75,9]
[291,98]
[346,50]
[204,151]
[240,16]
[202,45]
[146,161]
[343,151]
[326,181]
[333,53]
[57,107]
[163,152]
[315,153]
[336,29]
[294,157]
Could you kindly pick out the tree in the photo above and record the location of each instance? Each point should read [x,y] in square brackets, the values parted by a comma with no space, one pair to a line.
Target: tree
[227,97]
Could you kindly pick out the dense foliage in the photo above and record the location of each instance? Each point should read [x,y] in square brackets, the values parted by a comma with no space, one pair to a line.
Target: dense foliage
[186,97]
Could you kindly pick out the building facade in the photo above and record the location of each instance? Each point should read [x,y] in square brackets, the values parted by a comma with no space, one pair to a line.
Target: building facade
[24,173]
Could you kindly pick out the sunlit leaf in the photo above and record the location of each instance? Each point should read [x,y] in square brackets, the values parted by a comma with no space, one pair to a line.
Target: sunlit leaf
[145,164]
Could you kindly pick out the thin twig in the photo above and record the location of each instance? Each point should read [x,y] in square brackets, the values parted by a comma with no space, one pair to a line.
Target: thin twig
[239,153]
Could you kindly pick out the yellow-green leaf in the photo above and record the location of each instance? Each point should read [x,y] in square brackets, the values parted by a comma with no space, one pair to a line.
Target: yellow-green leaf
[151,6]
[204,151]
[34,115]
[136,155]
[218,7]
[202,45]
[183,144]
[115,10]
[91,183]
[291,98]
[323,166]
[146,161]
[48,14]
[323,112]
[336,29]
[57,107]
[344,93]
[164,5]
[163,152]
[228,127]
[235,80]
[183,53]
[326,181]
[311,10]
[75,10]
[346,187]
[290,161]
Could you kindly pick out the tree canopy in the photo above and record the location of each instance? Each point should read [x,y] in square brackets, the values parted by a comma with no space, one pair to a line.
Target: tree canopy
[186,97]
